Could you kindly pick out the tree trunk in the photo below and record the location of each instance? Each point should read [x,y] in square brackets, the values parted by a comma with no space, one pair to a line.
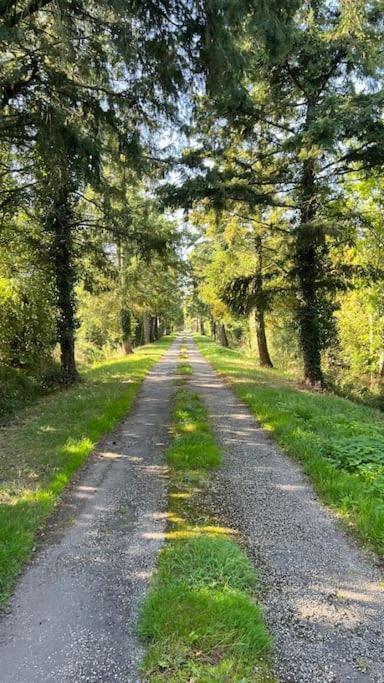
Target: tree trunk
[381,359]
[202,328]
[264,357]
[371,352]
[139,334]
[261,303]
[160,327]
[154,329]
[65,278]
[252,330]
[223,335]
[308,248]
[213,329]
[147,329]
[126,330]
[125,314]
[381,365]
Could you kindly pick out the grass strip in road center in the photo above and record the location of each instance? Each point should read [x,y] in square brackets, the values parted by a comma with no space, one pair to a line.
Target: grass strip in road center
[47,443]
[200,619]
[339,443]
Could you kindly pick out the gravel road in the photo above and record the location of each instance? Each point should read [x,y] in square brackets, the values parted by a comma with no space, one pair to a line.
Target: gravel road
[73,615]
[323,596]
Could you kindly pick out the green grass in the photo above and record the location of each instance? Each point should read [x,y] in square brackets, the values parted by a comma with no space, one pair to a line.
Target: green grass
[193,446]
[200,619]
[41,450]
[184,367]
[339,443]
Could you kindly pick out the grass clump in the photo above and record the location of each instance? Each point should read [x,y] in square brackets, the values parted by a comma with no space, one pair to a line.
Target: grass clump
[207,562]
[43,448]
[193,446]
[340,443]
[200,619]
[184,368]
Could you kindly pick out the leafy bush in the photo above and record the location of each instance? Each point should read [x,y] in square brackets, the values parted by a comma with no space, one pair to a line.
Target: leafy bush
[358,453]
[51,377]
[16,390]
[27,327]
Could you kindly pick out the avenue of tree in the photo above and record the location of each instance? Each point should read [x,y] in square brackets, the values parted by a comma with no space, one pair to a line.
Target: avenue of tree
[218,161]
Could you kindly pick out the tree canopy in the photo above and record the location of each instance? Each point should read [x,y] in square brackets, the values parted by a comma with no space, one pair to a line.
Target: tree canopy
[262,121]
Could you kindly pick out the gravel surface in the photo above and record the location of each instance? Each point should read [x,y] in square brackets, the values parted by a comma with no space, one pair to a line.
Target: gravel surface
[73,615]
[323,596]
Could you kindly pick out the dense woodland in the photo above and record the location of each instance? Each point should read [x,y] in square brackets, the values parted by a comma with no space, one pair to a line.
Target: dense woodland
[215,162]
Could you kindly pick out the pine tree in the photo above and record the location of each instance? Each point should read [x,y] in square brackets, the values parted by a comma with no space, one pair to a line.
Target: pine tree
[89,73]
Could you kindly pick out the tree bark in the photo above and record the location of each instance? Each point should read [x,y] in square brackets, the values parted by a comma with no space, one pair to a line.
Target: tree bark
[381,359]
[126,330]
[125,314]
[252,330]
[154,329]
[213,329]
[65,277]
[202,328]
[264,357]
[223,336]
[260,307]
[381,365]
[308,248]
[139,334]
[147,329]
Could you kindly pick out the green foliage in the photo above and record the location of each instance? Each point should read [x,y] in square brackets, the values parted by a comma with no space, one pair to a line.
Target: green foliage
[83,93]
[26,321]
[303,115]
[27,325]
[288,139]
[99,332]
[363,454]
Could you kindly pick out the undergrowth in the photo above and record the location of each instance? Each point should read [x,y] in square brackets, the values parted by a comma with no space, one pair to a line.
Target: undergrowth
[19,389]
[340,443]
[200,619]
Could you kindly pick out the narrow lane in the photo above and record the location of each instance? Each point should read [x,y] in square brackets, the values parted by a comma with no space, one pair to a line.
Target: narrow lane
[324,599]
[73,615]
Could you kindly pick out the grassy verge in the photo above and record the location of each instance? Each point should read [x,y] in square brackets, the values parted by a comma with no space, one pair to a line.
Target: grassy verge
[340,443]
[42,449]
[200,619]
